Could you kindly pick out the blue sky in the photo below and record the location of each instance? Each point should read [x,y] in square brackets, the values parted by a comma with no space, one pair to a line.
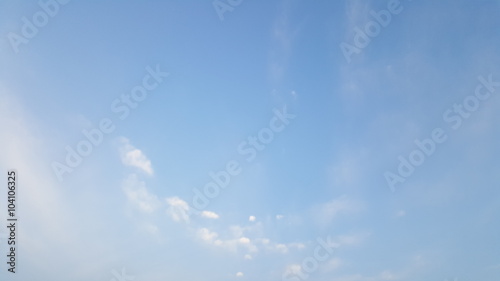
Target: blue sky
[330,127]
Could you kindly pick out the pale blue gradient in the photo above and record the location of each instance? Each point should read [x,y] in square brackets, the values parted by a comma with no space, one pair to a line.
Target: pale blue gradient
[324,173]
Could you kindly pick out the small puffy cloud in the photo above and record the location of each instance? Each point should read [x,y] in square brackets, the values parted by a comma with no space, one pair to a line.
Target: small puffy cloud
[244,240]
[282,248]
[138,194]
[232,245]
[134,157]
[252,218]
[209,215]
[236,239]
[279,217]
[178,209]
[207,236]
[239,274]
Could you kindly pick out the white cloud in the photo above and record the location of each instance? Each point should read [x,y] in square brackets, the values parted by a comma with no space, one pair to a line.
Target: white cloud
[229,244]
[209,215]
[252,218]
[47,205]
[279,217]
[178,209]
[282,248]
[239,274]
[134,157]
[244,240]
[138,194]
[206,235]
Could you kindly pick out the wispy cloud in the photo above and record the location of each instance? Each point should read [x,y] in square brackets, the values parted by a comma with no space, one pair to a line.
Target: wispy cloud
[178,209]
[43,207]
[209,215]
[134,157]
[328,212]
[229,244]
[357,13]
[283,33]
[206,235]
[138,195]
